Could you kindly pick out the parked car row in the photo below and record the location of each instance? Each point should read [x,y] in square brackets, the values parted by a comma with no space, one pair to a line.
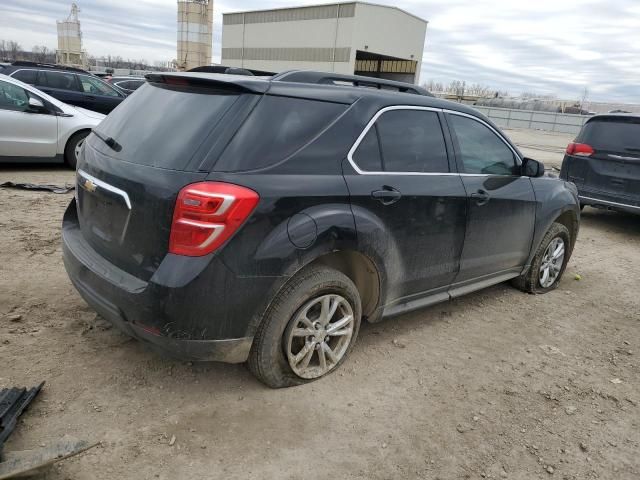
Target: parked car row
[49,123]
[35,127]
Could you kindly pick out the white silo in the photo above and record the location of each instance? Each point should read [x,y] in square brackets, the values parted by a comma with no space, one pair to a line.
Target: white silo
[69,50]
[195,30]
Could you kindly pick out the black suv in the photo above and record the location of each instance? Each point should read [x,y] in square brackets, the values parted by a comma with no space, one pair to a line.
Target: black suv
[604,162]
[69,85]
[233,218]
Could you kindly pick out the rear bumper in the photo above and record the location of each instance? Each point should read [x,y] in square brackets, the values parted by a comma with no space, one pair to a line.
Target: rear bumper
[234,350]
[193,320]
[595,200]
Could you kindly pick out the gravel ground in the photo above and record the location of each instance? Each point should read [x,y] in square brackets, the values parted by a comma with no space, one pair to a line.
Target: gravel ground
[498,384]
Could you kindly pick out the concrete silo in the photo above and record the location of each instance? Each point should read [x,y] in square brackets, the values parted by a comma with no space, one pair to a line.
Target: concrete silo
[69,50]
[195,30]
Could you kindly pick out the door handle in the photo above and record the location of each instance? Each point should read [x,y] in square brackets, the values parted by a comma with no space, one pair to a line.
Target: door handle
[386,196]
[481,197]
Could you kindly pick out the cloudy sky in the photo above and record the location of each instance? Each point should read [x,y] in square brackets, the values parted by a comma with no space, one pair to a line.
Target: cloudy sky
[544,46]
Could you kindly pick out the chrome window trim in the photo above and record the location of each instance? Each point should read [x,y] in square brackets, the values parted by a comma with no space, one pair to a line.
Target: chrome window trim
[382,111]
[106,186]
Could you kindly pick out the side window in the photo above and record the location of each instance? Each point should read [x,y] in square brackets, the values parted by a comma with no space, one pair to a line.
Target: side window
[481,150]
[409,141]
[368,156]
[26,76]
[60,80]
[13,97]
[95,86]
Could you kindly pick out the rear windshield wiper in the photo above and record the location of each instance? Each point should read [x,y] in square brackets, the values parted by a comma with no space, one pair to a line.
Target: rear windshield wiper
[109,141]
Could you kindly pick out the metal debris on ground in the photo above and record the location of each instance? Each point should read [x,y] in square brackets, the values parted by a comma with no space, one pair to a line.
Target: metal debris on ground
[13,401]
[30,462]
[60,189]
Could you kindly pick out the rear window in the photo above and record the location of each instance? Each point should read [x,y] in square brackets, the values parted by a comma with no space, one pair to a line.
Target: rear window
[277,128]
[617,135]
[163,127]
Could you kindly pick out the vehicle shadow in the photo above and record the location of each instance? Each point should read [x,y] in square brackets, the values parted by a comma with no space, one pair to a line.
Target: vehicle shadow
[616,222]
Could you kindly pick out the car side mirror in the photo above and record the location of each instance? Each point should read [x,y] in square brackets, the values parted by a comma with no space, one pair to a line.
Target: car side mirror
[532,168]
[36,105]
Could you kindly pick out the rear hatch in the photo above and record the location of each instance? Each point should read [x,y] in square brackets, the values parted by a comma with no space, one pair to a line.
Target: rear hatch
[163,137]
[612,166]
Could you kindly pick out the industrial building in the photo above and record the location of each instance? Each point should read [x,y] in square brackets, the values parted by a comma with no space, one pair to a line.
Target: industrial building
[355,37]
[195,29]
[69,51]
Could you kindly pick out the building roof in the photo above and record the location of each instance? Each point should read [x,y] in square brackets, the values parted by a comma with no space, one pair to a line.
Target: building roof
[328,5]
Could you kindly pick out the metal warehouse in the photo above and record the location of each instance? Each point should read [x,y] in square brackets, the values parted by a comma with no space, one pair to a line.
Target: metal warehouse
[357,37]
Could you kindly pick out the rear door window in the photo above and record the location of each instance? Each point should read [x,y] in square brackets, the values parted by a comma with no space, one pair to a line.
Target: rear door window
[404,141]
[61,80]
[26,76]
[615,135]
[163,127]
[277,128]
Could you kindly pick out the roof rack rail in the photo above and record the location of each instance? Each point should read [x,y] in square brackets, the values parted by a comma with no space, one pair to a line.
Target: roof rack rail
[329,78]
[24,63]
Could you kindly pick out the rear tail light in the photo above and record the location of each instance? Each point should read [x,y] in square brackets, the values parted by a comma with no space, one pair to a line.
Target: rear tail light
[207,214]
[580,150]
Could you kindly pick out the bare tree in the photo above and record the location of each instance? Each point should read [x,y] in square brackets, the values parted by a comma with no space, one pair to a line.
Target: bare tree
[14,50]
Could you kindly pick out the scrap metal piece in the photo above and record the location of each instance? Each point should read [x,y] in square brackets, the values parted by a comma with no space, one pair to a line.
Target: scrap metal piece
[30,462]
[39,187]
[13,401]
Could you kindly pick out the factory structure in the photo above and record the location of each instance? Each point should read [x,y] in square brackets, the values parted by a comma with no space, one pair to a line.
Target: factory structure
[195,33]
[349,38]
[69,51]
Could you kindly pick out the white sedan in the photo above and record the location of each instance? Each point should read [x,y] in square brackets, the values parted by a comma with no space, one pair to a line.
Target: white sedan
[35,127]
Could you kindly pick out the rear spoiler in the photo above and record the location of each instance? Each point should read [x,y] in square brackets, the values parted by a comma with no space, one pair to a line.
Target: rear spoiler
[229,83]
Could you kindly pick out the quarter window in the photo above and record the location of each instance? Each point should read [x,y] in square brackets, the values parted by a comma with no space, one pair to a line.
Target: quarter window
[404,141]
[13,97]
[481,151]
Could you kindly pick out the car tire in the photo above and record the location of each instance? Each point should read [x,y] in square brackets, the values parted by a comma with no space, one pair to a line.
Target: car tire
[72,148]
[282,336]
[547,258]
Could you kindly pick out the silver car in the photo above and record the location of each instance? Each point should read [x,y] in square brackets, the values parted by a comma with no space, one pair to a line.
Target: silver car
[35,127]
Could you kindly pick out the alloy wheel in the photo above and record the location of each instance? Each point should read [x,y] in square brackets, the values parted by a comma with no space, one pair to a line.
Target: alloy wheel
[319,336]
[552,262]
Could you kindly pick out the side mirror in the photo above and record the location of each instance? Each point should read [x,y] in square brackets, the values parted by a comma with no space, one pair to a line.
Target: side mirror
[532,168]
[36,105]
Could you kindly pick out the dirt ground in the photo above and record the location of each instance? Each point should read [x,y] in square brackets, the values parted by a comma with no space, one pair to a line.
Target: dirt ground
[498,384]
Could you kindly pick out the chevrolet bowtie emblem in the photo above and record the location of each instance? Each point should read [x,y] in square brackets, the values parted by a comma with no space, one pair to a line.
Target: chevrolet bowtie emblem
[90,186]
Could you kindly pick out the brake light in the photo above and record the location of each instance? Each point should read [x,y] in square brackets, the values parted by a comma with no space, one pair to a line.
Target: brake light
[207,214]
[580,150]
